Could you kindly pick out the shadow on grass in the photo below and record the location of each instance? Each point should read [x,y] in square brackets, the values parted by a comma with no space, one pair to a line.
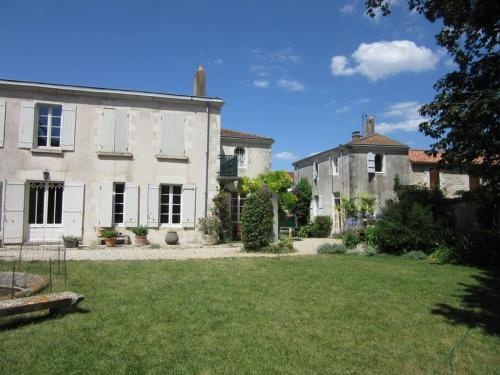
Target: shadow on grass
[15,323]
[480,305]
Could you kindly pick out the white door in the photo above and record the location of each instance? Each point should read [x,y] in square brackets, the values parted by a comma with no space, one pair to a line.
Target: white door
[45,211]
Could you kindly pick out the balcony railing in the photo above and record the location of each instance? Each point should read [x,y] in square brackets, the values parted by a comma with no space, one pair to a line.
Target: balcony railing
[228,166]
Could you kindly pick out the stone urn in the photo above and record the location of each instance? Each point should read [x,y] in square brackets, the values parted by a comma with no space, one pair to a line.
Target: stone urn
[141,240]
[209,239]
[172,238]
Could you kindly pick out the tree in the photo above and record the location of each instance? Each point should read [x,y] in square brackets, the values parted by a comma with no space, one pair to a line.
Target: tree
[257,220]
[464,116]
[303,192]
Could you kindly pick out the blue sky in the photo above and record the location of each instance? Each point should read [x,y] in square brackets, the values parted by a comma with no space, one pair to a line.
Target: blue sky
[302,72]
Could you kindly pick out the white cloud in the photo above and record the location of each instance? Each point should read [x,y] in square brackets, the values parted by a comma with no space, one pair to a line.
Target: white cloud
[291,85]
[286,156]
[259,70]
[363,101]
[218,61]
[382,59]
[347,9]
[405,117]
[342,109]
[260,83]
[285,56]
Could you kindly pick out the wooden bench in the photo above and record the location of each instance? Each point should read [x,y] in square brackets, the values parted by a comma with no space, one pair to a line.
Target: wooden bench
[54,302]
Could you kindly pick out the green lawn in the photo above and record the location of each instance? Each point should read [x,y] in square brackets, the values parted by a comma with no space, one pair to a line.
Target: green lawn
[294,315]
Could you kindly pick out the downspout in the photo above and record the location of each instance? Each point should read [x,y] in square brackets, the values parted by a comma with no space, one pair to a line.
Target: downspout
[207,160]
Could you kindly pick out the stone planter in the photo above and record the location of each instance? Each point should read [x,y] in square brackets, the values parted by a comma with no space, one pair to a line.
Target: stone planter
[172,238]
[70,244]
[141,240]
[110,242]
[209,239]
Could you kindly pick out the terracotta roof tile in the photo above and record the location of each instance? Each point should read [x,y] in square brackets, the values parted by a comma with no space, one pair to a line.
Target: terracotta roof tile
[376,139]
[420,157]
[237,134]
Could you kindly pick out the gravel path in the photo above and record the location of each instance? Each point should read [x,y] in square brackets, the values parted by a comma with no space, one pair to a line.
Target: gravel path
[306,246]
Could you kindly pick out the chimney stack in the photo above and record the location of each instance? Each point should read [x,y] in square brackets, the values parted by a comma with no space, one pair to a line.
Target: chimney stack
[356,136]
[369,126]
[200,85]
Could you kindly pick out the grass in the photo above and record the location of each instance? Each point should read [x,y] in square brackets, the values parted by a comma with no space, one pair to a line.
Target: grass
[295,315]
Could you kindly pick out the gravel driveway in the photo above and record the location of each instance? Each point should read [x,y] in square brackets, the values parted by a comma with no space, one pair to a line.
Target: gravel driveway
[305,246]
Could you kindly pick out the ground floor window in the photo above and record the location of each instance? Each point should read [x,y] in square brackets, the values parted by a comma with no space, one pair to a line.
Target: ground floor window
[118,202]
[237,203]
[170,204]
[45,202]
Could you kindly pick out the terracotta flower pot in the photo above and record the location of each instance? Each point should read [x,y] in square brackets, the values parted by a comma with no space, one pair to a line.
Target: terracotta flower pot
[110,242]
[172,238]
[141,240]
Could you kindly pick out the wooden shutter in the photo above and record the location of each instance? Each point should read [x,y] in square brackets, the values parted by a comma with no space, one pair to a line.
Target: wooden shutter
[26,124]
[13,212]
[73,198]
[121,130]
[108,130]
[370,162]
[2,121]
[172,134]
[188,206]
[131,204]
[153,205]
[434,178]
[68,127]
[105,205]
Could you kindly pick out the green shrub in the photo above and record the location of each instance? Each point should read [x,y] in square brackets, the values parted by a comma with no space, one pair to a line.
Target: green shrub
[321,227]
[285,242]
[331,248]
[350,239]
[72,238]
[405,226]
[442,255]
[140,230]
[257,221]
[275,248]
[210,225]
[303,192]
[371,235]
[415,254]
[220,210]
[305,231]
[109,233]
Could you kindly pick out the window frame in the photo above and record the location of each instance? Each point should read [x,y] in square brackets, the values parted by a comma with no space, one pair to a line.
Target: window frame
[170,205]
[46,185]
[382,163]
[113,221]
[50,127]
[315,172]
[239,198]
[243,164]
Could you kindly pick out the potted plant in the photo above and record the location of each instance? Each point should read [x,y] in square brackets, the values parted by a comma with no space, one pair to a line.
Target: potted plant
[172,237]
[141,233]
[210,228]
[110,237]
[71,241]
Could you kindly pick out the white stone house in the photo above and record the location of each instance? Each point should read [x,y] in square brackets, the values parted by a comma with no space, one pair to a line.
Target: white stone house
[74,159]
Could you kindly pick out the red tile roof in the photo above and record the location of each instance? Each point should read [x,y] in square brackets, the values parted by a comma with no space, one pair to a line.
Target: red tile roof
[237,134]
[420,157]
[376,139]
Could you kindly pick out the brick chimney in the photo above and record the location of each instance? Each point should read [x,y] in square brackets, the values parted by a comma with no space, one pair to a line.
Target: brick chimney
[200,84]
[356,136]
[369,126]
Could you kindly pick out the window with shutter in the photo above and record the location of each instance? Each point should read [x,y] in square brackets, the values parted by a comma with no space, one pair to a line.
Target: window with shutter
[370,162]
[114,131]
[172,134]
[434,178]
[379,163]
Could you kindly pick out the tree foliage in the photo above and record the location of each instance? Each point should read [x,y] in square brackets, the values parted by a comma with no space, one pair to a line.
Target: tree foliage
[464,116]
[303,192]
[257,221]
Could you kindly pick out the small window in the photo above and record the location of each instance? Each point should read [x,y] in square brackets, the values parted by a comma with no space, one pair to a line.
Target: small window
[118,203]
[45,202]
[170,204]
[49,125]
[335,166]
[379,163]
[240,155]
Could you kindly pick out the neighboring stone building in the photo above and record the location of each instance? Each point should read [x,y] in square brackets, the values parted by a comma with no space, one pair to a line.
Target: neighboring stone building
[74,159]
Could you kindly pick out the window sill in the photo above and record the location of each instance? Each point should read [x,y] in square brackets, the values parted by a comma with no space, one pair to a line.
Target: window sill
[124,155]
[172,157]
[56,151]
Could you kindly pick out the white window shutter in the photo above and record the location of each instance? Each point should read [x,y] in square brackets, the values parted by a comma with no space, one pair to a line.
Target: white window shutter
[370,162]
[172,134]
[131,204]
[108,130]
[73,197]
[13,212]
[68,127]
[26,124]
[105,205]
[153,205]
[121,130]
[188,206]
[2,121]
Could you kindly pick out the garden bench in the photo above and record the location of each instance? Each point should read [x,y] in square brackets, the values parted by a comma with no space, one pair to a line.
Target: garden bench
[54,302]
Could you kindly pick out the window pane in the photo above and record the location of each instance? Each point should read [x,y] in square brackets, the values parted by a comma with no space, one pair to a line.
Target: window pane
[56,110]
[164,198]
[56,122]
[32,204]
[51,205]
[176,209]
[119,188]
[165,189]
[42,131]
[177,190]
[55,142]
[43,110]
[42,141]
[59,202]
[39,205]
[118,218]
[119,198]
[176,219]
[164,218]
[43,120]
[177,199]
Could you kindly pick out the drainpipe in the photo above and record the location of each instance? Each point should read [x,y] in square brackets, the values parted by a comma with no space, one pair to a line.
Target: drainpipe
[207,159]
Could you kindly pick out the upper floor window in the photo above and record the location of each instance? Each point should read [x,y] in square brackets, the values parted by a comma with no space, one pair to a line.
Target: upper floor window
[379,163]
[335,166]
[239,152]
[170,204]
[315,171]
[49,125]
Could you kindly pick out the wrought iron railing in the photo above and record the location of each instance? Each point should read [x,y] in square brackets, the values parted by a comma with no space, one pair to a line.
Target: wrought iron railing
[228,166]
